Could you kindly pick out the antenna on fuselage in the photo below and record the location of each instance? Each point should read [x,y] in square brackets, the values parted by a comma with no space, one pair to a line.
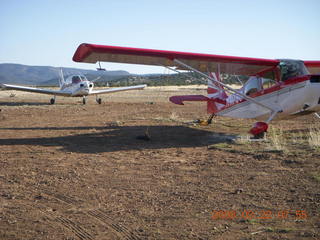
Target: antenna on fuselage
[99,68]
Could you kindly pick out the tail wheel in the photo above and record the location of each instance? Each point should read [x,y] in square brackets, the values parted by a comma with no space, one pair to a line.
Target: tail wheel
[52,100]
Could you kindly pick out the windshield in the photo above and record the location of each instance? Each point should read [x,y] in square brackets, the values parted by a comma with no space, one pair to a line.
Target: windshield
[77,79]
[292,68]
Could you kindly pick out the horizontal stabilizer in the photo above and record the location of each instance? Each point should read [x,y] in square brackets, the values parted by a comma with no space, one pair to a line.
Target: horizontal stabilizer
[195,98]
[192,98]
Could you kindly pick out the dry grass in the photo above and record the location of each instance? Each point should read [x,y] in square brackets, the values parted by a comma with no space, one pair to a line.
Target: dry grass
[298,137]
[175,117]
[277,139]
[314,137]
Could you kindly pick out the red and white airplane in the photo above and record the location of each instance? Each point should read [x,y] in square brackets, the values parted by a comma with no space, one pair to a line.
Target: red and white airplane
[73,86]
[276,89]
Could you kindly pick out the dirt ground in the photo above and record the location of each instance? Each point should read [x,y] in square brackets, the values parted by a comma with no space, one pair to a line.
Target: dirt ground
[71,171]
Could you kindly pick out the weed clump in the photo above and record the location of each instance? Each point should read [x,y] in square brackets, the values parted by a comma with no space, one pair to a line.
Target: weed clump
[314,137]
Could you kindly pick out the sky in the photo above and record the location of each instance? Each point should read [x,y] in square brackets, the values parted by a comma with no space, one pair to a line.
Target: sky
[47,32]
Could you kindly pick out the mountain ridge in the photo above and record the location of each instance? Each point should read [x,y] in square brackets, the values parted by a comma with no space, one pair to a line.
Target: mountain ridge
[47,75]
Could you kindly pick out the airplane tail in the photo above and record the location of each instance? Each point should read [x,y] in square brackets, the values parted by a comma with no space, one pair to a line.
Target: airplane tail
[61,78]
[216,94]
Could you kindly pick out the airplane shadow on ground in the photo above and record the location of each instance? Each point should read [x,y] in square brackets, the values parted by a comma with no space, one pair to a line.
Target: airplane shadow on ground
[118,138]
[24,103]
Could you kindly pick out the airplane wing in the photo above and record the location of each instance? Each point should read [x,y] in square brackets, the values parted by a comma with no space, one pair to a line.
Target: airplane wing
[35,90]
[118,89]
[92,53]
[313,66]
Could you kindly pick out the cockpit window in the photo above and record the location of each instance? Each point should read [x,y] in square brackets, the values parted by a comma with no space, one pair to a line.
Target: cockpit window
[256,84]
[292,68]
[253,85]
[76,79]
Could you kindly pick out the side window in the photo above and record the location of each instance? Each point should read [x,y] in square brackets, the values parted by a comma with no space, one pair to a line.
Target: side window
[267,83]
[253,85]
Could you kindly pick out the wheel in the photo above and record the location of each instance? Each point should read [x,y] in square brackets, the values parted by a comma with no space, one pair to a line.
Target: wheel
[99,100]
[259,135]
[83,100]
[52,100]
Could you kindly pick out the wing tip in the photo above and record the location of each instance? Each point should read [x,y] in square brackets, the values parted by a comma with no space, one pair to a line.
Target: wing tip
[82,52]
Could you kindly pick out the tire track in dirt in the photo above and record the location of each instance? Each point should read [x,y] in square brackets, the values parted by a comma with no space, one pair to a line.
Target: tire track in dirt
[98,214]
[63,198]
[121,230]
[76,228]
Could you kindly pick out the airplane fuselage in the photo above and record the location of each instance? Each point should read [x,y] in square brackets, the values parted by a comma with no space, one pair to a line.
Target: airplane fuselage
[294,97]
[79,87]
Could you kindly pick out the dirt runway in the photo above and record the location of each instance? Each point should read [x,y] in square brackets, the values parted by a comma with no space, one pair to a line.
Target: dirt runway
[72,171]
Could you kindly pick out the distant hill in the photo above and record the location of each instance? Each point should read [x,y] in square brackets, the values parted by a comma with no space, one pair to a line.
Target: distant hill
[48,76]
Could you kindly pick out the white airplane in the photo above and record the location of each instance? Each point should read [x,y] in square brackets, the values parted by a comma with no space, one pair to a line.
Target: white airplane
[73,86]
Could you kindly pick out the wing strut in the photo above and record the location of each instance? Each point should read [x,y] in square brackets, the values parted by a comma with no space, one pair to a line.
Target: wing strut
[174,70]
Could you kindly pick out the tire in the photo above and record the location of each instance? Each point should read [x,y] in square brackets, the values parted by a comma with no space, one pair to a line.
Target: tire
[259,136]
[52,101]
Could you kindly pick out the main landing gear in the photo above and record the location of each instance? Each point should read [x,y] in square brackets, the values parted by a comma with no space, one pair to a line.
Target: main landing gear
[84,100]
[53,100]
[98,100]
[259,129]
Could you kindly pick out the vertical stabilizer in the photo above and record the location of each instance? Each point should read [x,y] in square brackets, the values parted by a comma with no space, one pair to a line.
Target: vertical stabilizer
[61,78]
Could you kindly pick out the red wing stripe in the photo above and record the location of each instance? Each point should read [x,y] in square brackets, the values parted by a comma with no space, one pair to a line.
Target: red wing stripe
[84,50]
[312,63]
